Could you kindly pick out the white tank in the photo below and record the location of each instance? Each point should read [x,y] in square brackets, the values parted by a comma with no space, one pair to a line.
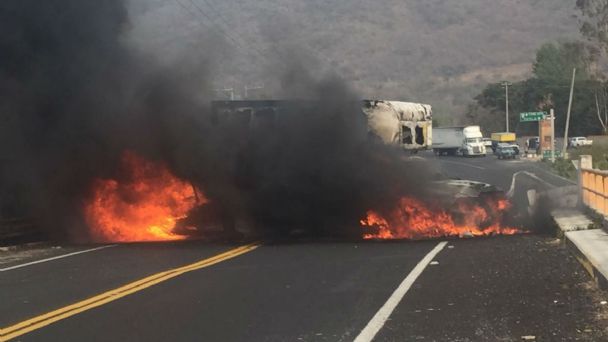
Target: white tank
[406,124]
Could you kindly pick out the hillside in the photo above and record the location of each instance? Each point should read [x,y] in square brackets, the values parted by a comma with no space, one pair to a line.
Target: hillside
[436,51]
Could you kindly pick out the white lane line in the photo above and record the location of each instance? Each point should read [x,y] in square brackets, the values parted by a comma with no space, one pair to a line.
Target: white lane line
[463,164]
[54,258]
[554,175]
[377,322]
[529,174]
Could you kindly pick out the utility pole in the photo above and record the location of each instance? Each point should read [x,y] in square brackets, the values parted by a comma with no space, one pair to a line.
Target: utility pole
[568,115]
[552,118]
[506,84]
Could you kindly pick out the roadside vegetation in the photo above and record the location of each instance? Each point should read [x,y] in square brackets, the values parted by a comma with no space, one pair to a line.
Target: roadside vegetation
[563,167]
[549,86]
[599,153]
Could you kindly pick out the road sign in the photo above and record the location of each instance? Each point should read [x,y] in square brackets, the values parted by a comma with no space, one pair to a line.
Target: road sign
[532,116]
[547,154]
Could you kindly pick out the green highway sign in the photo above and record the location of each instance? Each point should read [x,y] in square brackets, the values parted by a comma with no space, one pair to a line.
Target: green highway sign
[532,116]
[547,154]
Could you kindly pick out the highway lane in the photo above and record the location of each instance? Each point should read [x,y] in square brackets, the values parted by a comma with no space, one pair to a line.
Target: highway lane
[481,290]
[501,289]
[278,292]
[497,172]
[39,288]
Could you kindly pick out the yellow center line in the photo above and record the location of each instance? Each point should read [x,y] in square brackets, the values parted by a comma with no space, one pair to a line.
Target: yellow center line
[117,293]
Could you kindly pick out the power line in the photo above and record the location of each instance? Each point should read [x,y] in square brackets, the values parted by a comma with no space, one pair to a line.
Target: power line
[225,22]
[218,13]
[212,28]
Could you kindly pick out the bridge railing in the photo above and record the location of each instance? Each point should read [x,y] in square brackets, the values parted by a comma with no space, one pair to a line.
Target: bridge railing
[593,186]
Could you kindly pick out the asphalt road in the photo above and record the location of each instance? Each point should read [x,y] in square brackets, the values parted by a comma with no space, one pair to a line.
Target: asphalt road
[490,289]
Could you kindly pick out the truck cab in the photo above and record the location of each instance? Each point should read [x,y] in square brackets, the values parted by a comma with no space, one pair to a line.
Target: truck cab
[473,144]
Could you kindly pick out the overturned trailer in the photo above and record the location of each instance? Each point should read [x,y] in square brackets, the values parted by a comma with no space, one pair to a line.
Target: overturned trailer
[404,124]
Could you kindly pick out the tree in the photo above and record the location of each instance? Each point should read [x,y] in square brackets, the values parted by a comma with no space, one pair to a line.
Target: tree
[547,89]
[554,63]
[594,25]
[601,107]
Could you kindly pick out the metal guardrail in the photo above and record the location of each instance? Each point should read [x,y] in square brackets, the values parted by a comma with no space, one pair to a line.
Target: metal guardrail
[594,188]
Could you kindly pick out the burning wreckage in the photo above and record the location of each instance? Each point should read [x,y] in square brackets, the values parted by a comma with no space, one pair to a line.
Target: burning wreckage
[455,208]
[152,204]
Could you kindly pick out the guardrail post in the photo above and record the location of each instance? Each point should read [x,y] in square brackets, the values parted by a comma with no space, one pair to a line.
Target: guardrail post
[586,162]
[605,192]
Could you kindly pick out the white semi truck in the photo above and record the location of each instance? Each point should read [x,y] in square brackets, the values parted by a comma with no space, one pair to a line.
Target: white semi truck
[466,141]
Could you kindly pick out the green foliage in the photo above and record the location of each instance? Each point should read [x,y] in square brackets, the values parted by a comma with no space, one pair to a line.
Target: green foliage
[595,21]
[599,153]
[554,63]
[564,168]
[549,88]
[602,164]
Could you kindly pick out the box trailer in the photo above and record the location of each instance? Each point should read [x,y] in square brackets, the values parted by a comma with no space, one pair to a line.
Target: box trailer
[465,141]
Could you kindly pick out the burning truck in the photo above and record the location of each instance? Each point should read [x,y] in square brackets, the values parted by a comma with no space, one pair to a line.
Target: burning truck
[150,203]
[157,162]
[404,124]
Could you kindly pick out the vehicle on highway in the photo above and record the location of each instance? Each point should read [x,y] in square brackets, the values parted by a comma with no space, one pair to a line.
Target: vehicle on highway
[502,138]
[487,142]
[579,142]
[465,141]
[505,151]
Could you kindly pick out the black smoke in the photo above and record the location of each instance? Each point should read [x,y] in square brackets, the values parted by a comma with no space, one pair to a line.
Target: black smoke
[63,93]
[73,97]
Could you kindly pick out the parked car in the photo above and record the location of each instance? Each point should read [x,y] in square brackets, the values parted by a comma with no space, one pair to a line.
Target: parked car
[579,141]
[506,151]
[513,145]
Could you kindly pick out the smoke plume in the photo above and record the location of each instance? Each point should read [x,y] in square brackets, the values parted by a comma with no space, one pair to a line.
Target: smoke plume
[73,98]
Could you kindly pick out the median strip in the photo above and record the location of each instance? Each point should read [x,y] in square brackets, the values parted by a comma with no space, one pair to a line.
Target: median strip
[112,295]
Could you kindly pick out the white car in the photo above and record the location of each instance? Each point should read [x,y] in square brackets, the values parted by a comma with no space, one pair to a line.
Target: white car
[579,141]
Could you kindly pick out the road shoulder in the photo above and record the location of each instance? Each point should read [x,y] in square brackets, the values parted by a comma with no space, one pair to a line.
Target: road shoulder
[588,243]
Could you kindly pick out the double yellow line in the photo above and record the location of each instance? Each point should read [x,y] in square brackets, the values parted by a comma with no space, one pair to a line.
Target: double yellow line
[112,295]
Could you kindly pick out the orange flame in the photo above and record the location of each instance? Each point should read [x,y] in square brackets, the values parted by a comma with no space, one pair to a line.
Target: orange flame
[145,207]
[413,219]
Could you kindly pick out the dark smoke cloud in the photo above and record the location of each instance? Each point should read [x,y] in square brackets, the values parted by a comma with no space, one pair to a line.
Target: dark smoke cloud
[62,91]
[73,98]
